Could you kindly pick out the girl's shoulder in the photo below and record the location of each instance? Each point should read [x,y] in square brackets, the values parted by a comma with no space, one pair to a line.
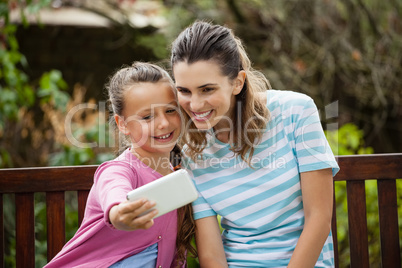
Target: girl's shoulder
[125,162]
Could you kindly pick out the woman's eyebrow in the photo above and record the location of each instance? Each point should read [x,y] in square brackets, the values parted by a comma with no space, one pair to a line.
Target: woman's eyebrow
[208,84]
[202,86]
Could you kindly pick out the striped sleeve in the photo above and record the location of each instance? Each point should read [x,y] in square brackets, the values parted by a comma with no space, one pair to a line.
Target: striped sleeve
[312,148]
[201,208]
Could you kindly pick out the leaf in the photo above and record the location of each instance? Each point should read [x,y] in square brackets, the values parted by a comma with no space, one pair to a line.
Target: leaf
[61,100]
[3,10]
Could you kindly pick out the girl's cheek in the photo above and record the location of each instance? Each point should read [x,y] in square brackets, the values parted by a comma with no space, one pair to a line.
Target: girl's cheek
[178,121]
[141,135]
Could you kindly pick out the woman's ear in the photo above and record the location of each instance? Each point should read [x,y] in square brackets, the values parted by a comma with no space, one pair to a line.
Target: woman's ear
[239,82]
[121,124]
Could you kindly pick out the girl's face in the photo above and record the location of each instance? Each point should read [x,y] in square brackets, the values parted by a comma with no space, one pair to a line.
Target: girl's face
[206,95]
[151,118]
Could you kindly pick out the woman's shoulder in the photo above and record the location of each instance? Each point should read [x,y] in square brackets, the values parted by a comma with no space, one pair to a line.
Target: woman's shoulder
[285,96]
[285,99]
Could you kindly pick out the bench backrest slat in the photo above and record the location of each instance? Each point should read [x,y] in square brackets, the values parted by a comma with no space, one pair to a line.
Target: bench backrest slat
[46,179]
[25,229]
[55,213]
[55,181]
[358,239]
[388,218]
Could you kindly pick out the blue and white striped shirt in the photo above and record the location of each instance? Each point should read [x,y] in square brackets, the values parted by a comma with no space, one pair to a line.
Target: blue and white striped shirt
[261,207]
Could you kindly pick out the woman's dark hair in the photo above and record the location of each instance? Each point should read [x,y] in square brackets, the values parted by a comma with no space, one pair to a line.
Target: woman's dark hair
[203,41]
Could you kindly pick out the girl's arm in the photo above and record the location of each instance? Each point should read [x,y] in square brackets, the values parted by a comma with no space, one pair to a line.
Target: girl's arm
[209,243]
[317,194]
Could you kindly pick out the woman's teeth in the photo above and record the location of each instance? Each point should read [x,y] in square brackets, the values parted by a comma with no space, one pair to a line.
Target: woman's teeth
[202,115]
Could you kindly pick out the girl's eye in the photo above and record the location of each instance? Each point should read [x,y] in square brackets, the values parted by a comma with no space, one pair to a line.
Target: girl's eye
[170,111]
[148,117]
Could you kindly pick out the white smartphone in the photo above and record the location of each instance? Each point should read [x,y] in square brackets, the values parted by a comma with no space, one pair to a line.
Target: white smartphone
[169,192]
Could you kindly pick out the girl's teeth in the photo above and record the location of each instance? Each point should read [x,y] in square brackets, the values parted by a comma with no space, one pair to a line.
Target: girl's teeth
[203,114]
[165,136]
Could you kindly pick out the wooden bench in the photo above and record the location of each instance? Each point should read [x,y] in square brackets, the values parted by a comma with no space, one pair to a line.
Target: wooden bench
[55,181]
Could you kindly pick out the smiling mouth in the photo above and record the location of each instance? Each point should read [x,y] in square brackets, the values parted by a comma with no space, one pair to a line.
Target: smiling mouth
[202,116]
[165,137]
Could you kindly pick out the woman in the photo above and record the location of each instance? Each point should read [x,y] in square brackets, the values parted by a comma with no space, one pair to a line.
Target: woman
[259,158]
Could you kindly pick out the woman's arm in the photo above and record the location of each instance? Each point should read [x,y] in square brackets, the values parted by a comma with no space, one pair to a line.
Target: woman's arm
[209,243]
[317,193]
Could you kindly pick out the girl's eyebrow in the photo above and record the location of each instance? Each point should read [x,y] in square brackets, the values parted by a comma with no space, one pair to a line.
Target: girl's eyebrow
[172,103]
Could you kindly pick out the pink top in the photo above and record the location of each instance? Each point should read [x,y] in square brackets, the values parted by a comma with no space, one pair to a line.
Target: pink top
[96,243]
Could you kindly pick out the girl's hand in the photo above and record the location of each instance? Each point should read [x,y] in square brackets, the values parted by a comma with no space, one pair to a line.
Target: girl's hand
[126,215]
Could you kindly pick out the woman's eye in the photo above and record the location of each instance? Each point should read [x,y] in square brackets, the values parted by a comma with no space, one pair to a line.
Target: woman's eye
[207,89]
[183,91]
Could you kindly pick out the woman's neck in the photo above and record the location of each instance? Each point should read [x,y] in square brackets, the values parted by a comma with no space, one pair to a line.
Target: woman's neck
[223,135]
[224,129]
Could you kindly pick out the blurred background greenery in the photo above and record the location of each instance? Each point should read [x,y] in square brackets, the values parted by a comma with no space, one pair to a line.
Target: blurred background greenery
[57,54]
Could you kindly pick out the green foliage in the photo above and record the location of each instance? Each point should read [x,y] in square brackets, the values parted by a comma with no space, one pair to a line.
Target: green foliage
[156,42]
[15,92]
[15,89]
[50,86]
[347,140]
[68,154]
[20,96]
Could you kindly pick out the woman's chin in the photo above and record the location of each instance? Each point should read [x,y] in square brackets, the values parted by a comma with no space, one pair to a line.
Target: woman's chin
[203,125]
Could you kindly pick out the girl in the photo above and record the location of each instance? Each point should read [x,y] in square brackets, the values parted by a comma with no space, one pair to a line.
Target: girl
[112,233]
[259,158]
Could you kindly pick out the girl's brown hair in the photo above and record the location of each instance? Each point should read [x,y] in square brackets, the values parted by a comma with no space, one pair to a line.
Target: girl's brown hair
[203,41]
[123,79]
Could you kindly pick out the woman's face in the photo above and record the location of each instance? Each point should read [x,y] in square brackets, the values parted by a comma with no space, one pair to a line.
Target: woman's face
[206,95]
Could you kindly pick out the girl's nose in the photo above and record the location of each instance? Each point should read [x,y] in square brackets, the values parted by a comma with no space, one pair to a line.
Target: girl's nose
[162,122]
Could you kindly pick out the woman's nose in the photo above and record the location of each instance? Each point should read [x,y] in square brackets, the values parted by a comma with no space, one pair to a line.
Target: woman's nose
[196,103]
